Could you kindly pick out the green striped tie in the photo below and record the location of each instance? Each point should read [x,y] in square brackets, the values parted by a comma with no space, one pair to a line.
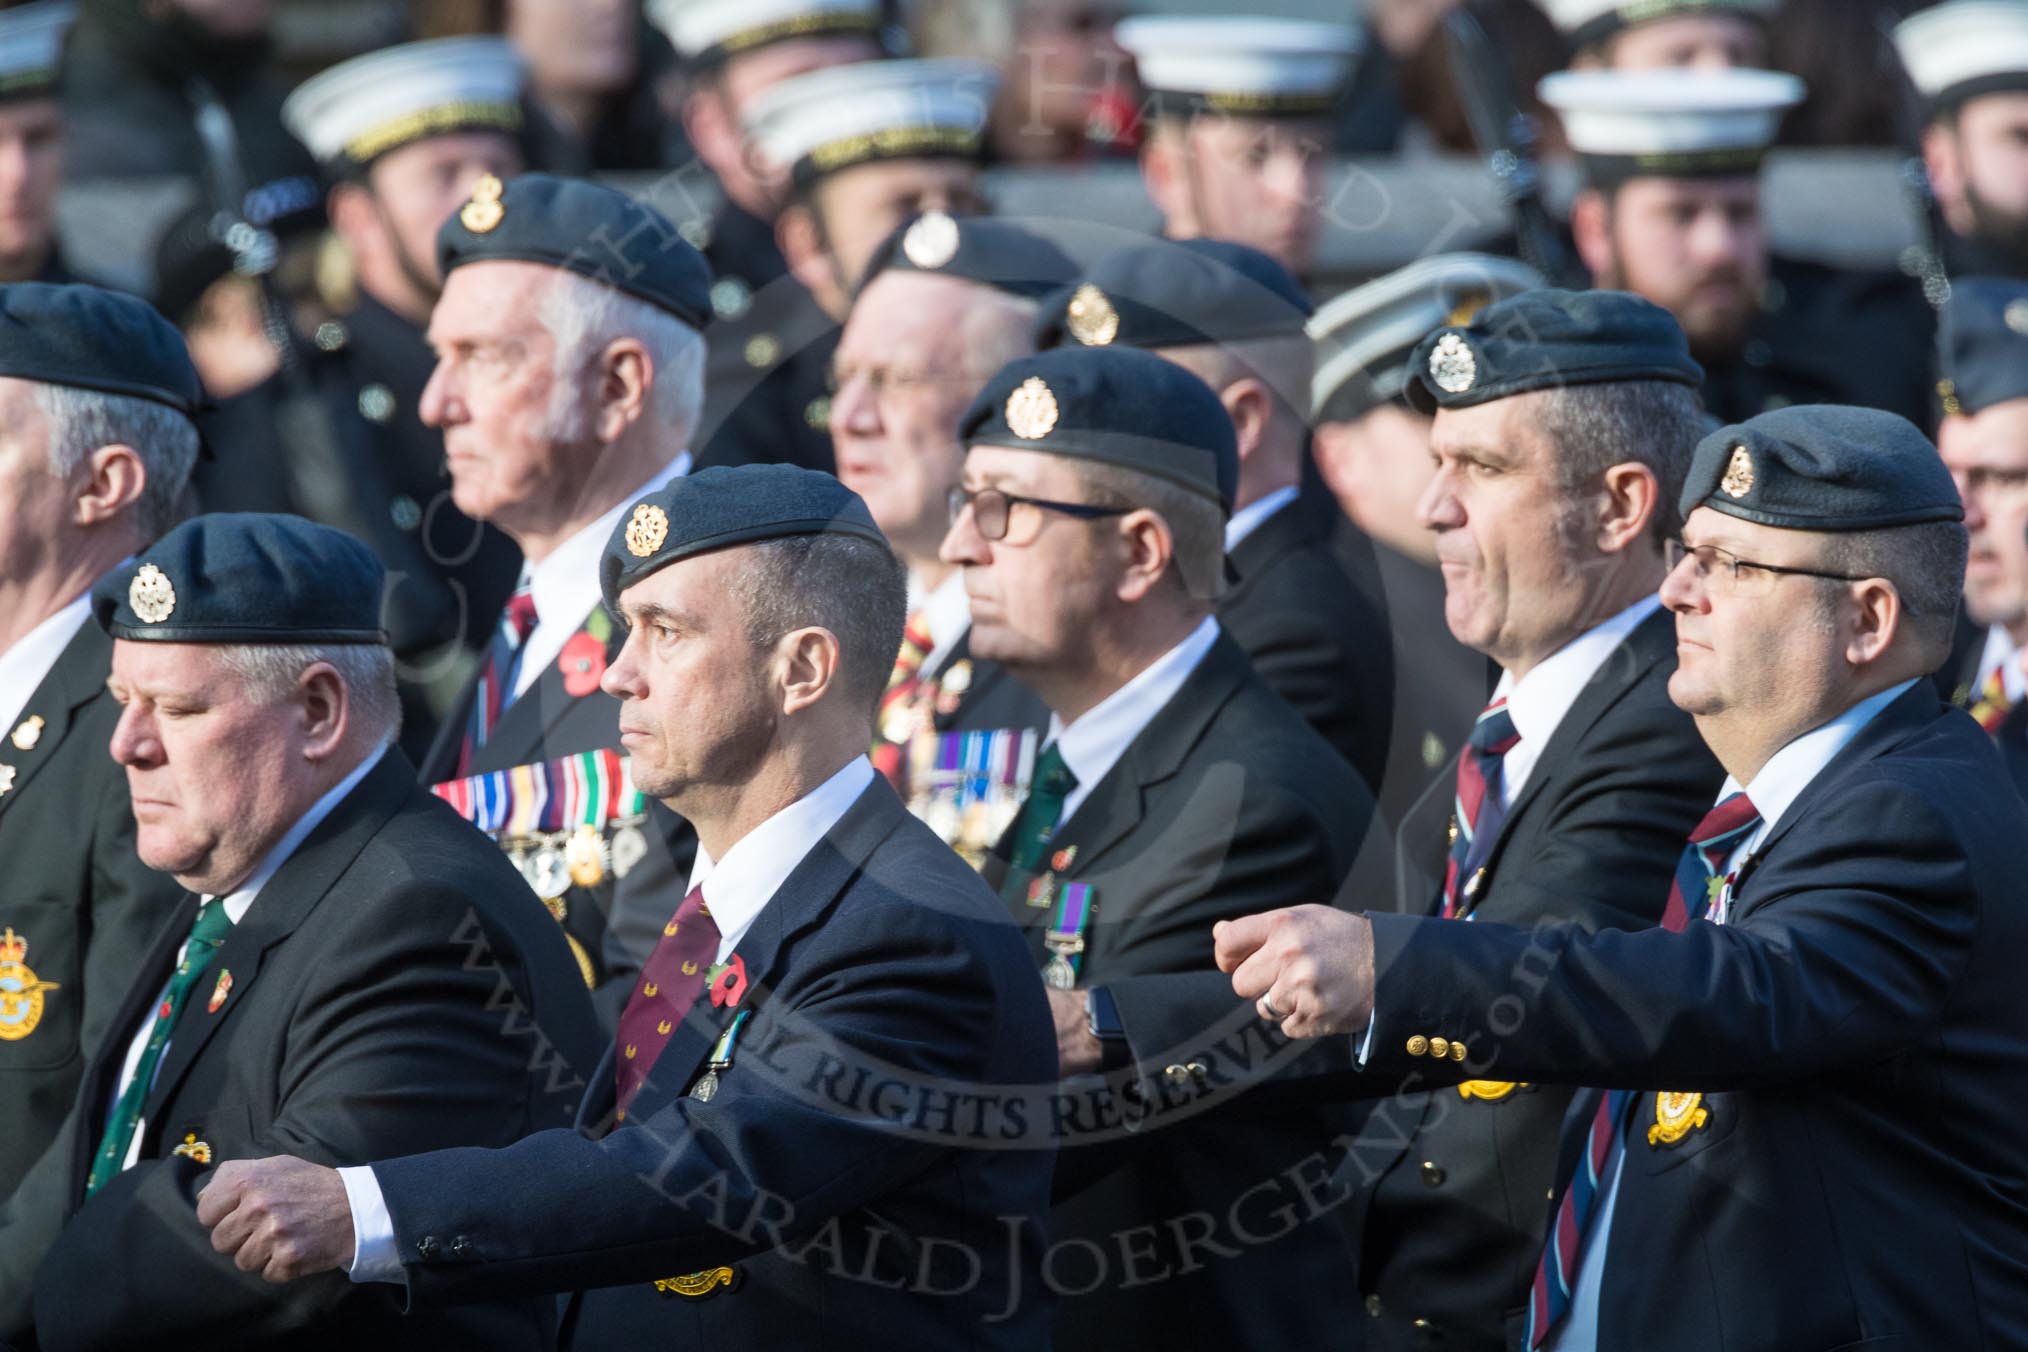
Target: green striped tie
[1051,784]
[207,934]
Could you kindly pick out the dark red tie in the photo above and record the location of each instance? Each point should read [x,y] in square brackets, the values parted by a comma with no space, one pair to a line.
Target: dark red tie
[1478,807]
[669,984]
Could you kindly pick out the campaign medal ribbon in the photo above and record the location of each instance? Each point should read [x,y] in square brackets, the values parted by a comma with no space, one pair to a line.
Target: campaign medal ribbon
[1065,939]
[720,1058]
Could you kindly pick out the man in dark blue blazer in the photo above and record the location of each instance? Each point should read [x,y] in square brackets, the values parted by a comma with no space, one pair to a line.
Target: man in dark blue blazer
[814,1127]
[1815,1068]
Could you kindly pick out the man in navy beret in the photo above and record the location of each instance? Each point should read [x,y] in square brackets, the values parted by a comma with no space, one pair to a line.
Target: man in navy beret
[1983,438]
[825,1039]
[96,398]
[351,970]
[1814,1063]
[1173,788]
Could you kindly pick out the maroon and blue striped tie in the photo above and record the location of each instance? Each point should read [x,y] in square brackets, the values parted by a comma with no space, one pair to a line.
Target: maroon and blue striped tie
[1479,806]
[1556,1273]
[495,690]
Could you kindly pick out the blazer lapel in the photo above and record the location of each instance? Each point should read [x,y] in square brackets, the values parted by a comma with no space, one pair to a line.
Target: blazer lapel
[520,735]
[284,901]
[77,678]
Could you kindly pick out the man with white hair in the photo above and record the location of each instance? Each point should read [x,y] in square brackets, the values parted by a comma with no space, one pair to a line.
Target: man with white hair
[96,444]
[568,381]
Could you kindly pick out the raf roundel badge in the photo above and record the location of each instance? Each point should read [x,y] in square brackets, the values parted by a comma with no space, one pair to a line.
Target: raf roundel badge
[151,595]
[647,530]
[1091,318]
[483,213]
[1738,480]
[1031,410]
[932,241]
[1452,365]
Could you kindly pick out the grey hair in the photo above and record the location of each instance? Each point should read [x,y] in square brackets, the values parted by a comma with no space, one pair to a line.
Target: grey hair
[82,421]
[582,316]
[271,671]
[847,584]
[1196,524]
[1656,423]
[1926,564]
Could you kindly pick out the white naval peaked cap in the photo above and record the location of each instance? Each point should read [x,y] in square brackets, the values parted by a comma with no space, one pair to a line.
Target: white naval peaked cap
[832,119]
[1242,65]
[1588,22]
[1364,337]
[1965,48]
[704,31]
[1670,123]
[360,109]
[31,44]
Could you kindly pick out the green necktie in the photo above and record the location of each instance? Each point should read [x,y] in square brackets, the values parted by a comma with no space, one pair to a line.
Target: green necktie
[1051,784]
[207,934]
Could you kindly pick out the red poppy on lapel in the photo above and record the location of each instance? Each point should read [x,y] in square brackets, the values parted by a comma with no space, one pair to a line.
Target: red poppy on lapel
[583,662]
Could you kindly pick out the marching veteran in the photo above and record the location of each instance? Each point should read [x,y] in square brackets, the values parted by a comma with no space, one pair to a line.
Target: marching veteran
[799,1135]
[1805,1132]
[96,443]
[351,971]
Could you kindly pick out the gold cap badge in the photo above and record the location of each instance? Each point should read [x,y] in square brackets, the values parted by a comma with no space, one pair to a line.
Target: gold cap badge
[648,529]
[1947,391]
[1466,307]
[1676,1116]
[151,596]
[484,211]
[1031,410]
[1738,480]
[1091,318]
[193,1149]
[1452,365]
[932,241]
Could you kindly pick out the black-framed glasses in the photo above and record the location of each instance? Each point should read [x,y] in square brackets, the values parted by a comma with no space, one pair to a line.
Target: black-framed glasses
[1723,563]
[991,508]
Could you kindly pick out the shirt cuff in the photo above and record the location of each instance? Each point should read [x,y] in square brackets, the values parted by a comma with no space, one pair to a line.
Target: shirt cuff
[1365,1043]
[374,1255]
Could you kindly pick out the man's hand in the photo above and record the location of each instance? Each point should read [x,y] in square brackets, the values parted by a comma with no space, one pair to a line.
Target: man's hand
[282,1217]
[1077,1051]
[1308,968]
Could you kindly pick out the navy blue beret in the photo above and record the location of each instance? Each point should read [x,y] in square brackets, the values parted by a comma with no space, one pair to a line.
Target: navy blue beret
[1822,467]
[1176,293]
[1983,334]
[586,228]
[1115,405]
[245,577]
[975,249]
[94,339]
[724,506]
[1549,339]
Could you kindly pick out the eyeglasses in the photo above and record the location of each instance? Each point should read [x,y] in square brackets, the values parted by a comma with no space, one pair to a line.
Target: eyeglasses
[991,508]
[1734,572]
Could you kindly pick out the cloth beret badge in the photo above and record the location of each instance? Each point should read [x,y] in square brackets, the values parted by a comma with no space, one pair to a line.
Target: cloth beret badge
[1031,410]
[151,595]
[647,530]
[484,212]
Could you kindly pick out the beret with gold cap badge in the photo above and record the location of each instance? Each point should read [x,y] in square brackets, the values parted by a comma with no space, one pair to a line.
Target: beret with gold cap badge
[1982,340]
[1822,467]
[1176,293]
[979,249]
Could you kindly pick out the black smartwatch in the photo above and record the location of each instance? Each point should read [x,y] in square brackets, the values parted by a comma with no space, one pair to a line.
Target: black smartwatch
[1102,1016]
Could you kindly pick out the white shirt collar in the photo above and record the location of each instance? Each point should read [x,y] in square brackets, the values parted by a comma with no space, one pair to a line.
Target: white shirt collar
[2002,652]
[566,584]
[241,898]
[949,613]
[1539,700]
[740,885]
[26,665]
[1789,771]
[1248,519]
[1093,745]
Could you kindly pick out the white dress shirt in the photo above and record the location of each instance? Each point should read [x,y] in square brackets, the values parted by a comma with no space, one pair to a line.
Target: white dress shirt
[1538,701]
[236,903]
[1774,790]
[566,584]
[737,888]
[948,612]
[1093,745]
[1248,519]
[2003,653]
[26,665]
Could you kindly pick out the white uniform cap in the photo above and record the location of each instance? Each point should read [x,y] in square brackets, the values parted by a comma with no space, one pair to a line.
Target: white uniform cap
[1250,67]
[360,109]
[1365,337]
[835,118]
[31,42]
[703,31]
[1966,48]
[1589,22]
[1670,123]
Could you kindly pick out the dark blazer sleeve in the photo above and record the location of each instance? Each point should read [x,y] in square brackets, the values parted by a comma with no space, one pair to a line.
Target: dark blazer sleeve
[1853,936]
[397,1042]
[783,1147]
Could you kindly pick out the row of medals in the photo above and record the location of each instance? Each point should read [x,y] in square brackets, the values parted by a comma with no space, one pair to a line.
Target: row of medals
[553,860]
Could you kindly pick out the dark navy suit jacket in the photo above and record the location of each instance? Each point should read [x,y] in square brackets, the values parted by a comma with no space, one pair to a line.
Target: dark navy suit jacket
[1860,1039]
[868,1167]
